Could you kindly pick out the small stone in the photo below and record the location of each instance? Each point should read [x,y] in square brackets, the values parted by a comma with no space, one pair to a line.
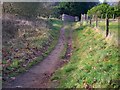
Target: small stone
[24,65]
[13,78]
[16,50]
[18,86]
[68,55]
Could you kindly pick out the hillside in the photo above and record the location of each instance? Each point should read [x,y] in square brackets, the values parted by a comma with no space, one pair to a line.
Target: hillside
[93,64]
[26,42]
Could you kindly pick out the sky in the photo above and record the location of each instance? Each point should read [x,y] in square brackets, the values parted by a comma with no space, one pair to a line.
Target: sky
[101,1]
[110,0]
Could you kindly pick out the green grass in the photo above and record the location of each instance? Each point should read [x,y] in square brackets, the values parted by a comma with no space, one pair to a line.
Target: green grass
[94,61]
[67,28]
[113,26]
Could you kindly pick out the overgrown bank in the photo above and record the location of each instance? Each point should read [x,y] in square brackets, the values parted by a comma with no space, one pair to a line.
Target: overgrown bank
[93,64]
[27,51]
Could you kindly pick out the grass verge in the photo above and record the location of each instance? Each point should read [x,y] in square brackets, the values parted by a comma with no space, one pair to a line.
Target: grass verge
[94,62]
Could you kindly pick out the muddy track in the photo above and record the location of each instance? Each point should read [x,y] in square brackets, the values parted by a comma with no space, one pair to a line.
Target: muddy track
[39,75]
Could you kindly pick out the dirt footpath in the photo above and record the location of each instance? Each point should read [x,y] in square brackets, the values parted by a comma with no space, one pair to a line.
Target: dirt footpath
[39,75]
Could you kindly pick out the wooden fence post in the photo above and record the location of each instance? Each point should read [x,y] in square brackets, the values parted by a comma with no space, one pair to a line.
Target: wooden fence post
[63,17]
[87,18]
[96,21]
[84,17]
[113,16]
[81,19]
[107,27]
[92,16]
[101,16]
[90,22]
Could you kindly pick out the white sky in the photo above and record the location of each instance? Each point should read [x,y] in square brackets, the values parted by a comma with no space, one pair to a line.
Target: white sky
[101,0]
[110,0]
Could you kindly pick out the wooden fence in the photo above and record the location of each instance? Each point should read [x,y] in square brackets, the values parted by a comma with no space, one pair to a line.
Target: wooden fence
[96,22]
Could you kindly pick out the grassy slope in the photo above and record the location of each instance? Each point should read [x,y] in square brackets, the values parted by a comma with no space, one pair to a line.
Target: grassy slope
[54,32]
[94,62]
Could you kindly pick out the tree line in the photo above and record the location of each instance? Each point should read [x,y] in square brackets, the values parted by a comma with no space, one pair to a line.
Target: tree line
[105,9]
[55,9]
[73,8]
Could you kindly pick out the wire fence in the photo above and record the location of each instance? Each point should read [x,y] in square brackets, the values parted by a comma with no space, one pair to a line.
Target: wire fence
[110,26]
